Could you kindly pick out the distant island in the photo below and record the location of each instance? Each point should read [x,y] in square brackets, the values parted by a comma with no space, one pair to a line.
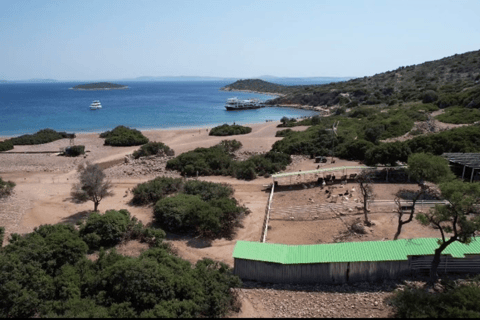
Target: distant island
[99,86]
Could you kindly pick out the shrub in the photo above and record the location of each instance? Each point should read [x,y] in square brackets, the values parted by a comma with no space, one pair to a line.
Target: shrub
[123,136]
[46,274]
[230,145]
[6,145]
[114,227]
[105,230]
[461,301]
[41,137]
[189,213]
[227,130]
[156,189]
[207,190]
[153,148]
[74,151]
[283,133]
[206,161]
[429,96]
[6,188]
[244,170]
[459,115]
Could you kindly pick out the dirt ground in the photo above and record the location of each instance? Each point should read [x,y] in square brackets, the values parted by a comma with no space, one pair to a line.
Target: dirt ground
[304,214]
[42,196]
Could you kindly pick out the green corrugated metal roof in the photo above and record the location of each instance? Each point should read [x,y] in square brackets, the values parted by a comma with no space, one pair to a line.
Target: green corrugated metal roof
[349,251]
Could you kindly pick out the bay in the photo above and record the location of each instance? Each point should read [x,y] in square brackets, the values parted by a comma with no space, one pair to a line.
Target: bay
[29,107]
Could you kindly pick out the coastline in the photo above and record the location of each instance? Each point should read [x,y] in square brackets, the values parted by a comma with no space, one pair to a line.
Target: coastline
[324,110]
[152,130]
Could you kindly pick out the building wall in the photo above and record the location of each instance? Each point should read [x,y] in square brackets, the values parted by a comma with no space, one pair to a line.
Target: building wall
[333,273]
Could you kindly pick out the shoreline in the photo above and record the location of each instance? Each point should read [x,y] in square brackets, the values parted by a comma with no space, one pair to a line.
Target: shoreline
[182,128]
[188,127]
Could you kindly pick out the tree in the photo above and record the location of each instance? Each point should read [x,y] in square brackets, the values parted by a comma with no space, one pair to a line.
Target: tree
[93,186]
[422,167]
[365,179]
[284,120]
[463,198]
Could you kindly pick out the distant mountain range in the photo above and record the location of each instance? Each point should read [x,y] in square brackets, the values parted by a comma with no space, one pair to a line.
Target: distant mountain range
[196,78]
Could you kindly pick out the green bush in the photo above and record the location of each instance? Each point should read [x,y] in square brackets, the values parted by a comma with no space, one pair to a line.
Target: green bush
[153,148]
[206,161]
[6,145]
[207,190]
[283,133]
[105,230]
[74,151]
[229,130]
[429,96]
[461,301]
[217,161]
[154,190]
[459,115]
[230,145]
[6,188]
[214,218]
[46,274]
[41,137]
[123,136]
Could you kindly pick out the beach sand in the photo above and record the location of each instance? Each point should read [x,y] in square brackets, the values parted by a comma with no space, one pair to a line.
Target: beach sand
[44,181]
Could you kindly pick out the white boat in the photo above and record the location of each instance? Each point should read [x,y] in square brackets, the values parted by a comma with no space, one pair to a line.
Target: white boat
[95,105]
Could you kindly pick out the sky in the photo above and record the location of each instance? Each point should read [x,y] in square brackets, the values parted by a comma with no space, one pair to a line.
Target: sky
[116,39]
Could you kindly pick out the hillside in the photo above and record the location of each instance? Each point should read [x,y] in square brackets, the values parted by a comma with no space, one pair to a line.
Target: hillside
[99,86]
[451,81]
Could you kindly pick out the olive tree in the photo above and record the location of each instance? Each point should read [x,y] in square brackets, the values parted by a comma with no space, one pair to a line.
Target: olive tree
[93,185]
[422,167]
[453,218]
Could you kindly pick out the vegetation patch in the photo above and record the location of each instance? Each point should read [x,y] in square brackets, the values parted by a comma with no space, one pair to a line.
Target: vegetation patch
[114,227]
[156,189]
[457,301]
[153,148]
[229,130]
[41,137]
[46,273]
[459,115]
[123,136]
[6,188]
[218,160]
[74,151]
[204,208]
[6,145]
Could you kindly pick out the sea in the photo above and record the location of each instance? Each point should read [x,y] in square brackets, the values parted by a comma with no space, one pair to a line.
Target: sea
[29,107]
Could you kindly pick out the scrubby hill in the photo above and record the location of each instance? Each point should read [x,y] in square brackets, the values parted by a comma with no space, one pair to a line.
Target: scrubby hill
[449,81]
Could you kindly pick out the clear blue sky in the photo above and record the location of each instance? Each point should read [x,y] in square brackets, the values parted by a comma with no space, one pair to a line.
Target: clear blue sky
[113,39]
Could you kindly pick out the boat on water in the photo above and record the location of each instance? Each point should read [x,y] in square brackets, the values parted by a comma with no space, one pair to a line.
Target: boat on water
[237,104]
[95,105]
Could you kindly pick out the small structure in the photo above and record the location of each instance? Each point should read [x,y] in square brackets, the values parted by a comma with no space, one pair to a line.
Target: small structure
[350,261]
[464,164]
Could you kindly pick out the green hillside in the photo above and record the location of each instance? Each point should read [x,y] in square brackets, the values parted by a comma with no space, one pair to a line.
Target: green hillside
[451,81]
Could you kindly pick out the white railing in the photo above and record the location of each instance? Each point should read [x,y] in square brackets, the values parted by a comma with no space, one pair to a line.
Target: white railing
[267,214]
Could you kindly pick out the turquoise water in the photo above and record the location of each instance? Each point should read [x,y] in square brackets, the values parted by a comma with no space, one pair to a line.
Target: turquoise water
[29,107]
